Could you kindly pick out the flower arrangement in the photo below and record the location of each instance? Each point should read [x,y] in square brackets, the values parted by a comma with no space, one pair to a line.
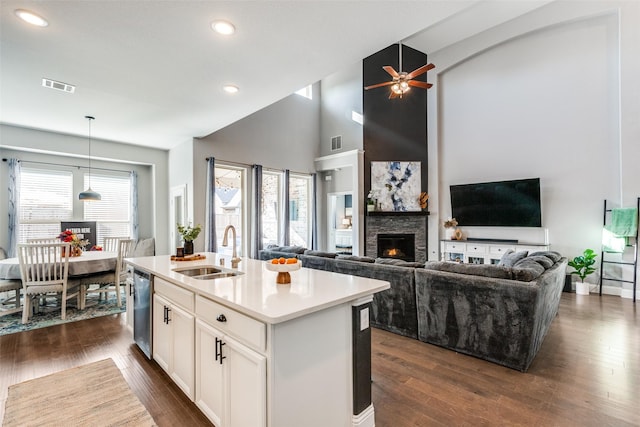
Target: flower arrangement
[69,236]
[189,233]
[450,223]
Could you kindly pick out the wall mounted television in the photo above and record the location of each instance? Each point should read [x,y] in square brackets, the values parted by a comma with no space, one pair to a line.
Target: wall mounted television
[497,204]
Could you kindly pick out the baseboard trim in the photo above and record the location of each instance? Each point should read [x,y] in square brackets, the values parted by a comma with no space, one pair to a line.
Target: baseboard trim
[365,418]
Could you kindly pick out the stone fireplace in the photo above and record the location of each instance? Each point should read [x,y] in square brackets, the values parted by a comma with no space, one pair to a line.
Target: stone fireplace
[386,228]
[400,246]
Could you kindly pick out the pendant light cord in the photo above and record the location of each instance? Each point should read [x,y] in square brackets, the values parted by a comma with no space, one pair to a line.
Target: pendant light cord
[89,118]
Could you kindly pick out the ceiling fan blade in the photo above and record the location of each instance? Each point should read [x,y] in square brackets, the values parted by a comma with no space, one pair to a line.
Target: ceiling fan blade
[421,70]
[423,85]
[389,69]
[378,85]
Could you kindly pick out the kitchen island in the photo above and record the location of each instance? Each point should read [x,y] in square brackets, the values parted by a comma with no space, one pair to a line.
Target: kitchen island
[251,352]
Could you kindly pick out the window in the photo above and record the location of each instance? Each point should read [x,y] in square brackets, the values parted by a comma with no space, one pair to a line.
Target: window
[113,213]
[230,183]
[270,208]
[300,210]
[46,198]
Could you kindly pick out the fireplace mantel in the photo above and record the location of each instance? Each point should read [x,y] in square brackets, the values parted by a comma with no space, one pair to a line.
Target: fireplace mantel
[398,213]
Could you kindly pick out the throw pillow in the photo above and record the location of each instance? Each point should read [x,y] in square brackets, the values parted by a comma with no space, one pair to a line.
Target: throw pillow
[527,270]
[552,255]
[292,249]
[511,257]
[485,270]
[540,259]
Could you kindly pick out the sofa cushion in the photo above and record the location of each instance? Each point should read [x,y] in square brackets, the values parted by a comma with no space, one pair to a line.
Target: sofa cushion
[356,258]
[320,253]
[286,249]
[544,261]
[399,262]
[527,270]
[485,270]
[552,255]
[510,257]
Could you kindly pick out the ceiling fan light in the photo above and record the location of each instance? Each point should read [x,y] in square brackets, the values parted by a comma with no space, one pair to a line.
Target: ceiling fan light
[396,88]
[404,86]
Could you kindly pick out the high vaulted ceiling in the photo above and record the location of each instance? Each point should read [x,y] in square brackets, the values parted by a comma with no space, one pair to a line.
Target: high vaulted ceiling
[152,72]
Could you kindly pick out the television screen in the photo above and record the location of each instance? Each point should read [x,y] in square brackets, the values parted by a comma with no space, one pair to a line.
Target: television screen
[503,204]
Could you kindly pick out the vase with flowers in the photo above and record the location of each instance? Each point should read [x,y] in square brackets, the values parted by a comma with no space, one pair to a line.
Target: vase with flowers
[77,244]
[452,224]
[371,201]
[189,234]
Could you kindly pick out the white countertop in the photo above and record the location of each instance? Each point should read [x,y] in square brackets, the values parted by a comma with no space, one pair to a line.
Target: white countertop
[256,293]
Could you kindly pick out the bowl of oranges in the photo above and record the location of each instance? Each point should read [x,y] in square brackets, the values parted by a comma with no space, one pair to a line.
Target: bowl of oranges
[283,266]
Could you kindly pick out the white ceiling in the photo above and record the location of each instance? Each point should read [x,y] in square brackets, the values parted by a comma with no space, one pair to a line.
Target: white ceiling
[152,72]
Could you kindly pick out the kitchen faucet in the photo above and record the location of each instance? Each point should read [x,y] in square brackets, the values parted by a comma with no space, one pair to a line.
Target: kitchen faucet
[225,242]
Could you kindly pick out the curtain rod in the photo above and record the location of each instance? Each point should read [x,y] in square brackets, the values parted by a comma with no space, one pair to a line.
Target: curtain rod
[263,168]
[70,166]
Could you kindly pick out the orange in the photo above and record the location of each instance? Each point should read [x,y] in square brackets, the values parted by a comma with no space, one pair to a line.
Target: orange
[282,260]
[274,261]
[292,261]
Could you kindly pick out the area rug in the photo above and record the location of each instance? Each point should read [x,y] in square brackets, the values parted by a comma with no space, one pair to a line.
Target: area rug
[90,395]
[50,316]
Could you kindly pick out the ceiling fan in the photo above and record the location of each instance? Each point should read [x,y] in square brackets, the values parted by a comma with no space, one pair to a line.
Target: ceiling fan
[402,81]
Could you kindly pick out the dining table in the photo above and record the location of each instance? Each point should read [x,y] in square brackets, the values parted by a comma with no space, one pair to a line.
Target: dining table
[90,262]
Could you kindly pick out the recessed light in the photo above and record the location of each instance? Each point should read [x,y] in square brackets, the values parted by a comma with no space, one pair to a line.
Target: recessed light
[223,27]
[31,18]
[230,88]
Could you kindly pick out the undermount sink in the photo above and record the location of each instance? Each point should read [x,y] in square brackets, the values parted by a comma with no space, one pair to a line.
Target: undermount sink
[207,272]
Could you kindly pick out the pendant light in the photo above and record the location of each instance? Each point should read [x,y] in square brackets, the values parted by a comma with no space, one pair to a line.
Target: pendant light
[89,195]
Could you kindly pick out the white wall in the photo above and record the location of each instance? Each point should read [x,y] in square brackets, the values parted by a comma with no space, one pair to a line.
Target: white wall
[282,135]
[552,94]
[150,164]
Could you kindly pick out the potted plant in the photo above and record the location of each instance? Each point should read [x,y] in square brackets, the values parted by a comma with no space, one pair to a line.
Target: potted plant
[371,201]
[583,264]
[189,234]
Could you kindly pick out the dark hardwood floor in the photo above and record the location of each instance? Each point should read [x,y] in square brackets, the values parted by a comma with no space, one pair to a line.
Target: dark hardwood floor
[586,374]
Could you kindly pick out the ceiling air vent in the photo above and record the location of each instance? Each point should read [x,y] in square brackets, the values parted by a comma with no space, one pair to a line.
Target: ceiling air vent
[336,142]
[52,84]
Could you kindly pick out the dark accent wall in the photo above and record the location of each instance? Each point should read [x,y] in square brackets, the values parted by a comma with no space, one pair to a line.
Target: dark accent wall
[394,129]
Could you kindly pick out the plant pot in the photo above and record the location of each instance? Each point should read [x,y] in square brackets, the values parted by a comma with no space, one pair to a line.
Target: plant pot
[188,248]
[582,288]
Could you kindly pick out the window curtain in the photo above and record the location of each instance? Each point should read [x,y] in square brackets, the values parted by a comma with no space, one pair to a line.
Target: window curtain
[211,243]
[284,232]
[13,208]
[256,222]
[314,212]
[135,225]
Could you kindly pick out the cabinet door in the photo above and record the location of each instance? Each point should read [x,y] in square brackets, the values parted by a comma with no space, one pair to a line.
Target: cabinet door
[245,385]
[209,377]
[161,333]
[182,370]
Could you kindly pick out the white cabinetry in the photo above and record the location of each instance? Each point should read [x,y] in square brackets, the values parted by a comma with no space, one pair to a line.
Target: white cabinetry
[174,333]
[231,379]
[485,252]
[129,302]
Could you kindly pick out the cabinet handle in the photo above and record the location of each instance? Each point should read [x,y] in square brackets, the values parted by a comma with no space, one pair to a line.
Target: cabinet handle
[167,310]
[221,318]
[219,344]
[130,289]
[164,319]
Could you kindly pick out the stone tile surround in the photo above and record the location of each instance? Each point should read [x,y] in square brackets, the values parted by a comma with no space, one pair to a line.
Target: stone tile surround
[397,224]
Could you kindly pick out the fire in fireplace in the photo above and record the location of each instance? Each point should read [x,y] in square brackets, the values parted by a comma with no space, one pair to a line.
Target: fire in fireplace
[400,246]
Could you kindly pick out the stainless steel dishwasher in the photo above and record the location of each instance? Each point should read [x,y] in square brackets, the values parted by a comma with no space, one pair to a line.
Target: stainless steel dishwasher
[142,310]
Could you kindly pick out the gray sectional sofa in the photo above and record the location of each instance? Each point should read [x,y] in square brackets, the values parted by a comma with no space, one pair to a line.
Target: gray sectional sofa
[499,313]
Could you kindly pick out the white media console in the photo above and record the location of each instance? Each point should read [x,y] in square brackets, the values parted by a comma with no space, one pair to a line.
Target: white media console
[482,251]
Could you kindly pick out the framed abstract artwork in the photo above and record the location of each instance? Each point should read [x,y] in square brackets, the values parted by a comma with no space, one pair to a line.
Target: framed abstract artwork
[396,185]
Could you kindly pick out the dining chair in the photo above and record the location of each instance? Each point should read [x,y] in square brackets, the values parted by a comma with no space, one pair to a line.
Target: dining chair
[6,287]
[111,243]
[44,269]
[44,240]
[108,281]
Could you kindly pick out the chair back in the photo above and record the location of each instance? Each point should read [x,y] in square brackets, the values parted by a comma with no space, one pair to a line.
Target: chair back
[125,248]
[111,243]
[44,264]
[44,240]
